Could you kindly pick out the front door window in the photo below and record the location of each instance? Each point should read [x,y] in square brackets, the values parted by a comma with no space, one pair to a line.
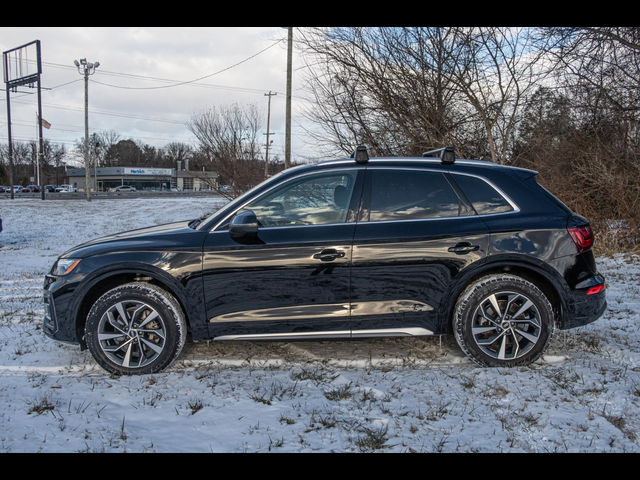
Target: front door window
[316,200]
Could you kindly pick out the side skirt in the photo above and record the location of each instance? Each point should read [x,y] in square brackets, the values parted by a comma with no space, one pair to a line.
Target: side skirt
[346,335]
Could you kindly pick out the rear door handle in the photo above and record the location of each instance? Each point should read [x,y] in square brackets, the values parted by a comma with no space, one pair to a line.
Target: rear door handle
[329,255]
[464,249]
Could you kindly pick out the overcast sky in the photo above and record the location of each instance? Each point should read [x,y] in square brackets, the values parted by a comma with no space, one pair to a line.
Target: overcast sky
[155,116]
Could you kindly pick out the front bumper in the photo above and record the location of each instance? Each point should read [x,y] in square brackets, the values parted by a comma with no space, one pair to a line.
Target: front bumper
[58,299]
[50,326]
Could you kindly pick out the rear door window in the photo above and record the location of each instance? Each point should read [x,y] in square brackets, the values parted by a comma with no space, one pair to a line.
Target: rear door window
[411,195]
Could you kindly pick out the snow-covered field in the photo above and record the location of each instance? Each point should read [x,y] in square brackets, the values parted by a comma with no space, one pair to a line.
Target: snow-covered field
[385,395]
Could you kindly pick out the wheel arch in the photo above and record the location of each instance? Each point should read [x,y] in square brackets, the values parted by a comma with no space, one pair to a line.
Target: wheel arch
[550,283]
[104,282]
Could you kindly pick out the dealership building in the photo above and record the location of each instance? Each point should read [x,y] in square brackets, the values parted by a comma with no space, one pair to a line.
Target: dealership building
[143,179]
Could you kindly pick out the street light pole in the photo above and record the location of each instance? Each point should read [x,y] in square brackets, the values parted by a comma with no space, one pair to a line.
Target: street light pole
[86,69]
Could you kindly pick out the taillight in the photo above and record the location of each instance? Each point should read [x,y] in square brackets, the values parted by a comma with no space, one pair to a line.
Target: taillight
[583,238]
[597,290]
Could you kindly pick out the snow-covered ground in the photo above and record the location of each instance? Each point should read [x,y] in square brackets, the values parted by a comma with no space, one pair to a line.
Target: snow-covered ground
[411,395]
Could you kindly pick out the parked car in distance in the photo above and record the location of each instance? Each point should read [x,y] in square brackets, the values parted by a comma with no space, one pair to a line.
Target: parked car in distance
[31,189]
[66,189]
[50,188]
[123,189]
[18,189]
[5,190]
[343,250]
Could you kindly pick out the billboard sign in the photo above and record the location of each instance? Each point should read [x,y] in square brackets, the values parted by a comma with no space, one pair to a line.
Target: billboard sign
[151,172]
[22,65]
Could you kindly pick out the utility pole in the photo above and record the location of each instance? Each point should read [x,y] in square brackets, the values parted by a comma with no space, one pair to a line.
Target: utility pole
[268,134]
[96,158]
[36,167]
[287,160]
[86,69]
[13,195]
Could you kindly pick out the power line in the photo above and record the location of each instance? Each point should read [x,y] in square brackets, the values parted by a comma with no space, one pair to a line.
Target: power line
[79,130]
[111,114]
[107,73]
[197,79]
[65,84]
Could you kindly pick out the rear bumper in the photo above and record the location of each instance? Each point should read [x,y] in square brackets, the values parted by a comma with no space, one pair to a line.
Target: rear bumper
[585,309]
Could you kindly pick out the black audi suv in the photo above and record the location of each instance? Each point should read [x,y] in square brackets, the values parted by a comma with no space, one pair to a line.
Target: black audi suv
[348,249]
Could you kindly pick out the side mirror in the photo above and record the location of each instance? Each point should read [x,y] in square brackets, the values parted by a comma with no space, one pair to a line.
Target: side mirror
[243,226]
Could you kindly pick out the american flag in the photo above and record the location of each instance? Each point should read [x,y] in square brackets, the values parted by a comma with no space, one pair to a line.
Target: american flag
[46,124]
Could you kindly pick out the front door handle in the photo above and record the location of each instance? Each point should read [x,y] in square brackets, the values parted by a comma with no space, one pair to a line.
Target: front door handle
[464,249]
[329,255]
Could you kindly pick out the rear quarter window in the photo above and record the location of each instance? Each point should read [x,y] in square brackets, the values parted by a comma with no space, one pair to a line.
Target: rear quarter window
[486,200]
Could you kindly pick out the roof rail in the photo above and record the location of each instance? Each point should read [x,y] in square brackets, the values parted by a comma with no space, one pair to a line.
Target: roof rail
[446,154]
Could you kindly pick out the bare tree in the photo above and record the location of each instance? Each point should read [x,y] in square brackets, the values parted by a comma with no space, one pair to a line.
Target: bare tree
[497,71]
[104,142]
[231,137]
[178,152]
[402,90]
[388,87]
[601,67]
[605,58]
[54,157]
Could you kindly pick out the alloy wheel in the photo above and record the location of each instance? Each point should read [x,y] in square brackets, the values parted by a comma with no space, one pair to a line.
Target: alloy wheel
[132,334]
[507,326]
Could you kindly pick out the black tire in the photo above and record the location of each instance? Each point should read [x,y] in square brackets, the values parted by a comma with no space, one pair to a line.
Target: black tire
[514,341]
[154,339]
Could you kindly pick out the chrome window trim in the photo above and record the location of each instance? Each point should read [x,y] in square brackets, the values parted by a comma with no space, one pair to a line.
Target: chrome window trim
[295,226]
[255,199]
[514,205]
[307,226]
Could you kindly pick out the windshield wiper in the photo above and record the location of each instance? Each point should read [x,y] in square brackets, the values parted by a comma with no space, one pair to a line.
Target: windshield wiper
[196,223]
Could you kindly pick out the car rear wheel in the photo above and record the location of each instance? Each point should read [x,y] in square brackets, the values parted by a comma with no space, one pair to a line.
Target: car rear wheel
[136,329]
[504,321]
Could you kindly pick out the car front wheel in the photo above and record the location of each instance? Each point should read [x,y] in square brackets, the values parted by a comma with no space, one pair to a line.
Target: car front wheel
[504,321]
[136,329]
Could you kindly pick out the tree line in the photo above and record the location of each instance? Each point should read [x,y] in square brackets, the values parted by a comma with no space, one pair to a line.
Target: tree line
[227,143]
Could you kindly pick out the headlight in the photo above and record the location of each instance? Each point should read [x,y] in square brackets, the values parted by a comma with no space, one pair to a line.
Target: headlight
[65,267]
